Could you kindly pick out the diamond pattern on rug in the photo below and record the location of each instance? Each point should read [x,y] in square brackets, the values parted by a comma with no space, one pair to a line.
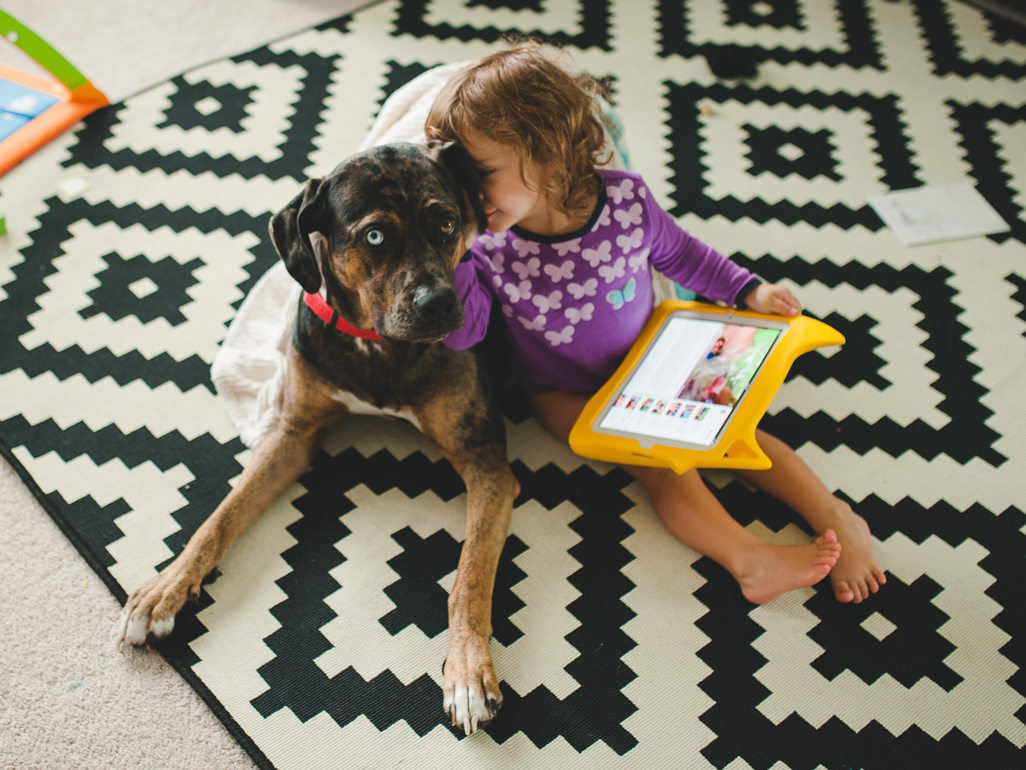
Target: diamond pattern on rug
[808,33]
[710,153]
[322,640]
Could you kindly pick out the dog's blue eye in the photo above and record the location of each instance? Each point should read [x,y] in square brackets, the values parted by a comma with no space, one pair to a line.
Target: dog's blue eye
[375,237]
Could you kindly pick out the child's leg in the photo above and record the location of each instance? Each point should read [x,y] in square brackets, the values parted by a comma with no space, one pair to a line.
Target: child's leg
[696,518]
[857,573]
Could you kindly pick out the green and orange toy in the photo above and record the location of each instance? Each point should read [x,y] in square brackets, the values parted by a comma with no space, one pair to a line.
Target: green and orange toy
[35,109]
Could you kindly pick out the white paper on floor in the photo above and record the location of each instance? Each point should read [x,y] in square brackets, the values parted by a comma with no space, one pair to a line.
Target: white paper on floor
[937,213]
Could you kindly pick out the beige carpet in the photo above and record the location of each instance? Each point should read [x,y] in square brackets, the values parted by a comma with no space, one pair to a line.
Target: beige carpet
[67,699]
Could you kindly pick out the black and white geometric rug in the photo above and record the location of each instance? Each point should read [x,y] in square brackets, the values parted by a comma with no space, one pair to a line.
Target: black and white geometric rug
[320,646]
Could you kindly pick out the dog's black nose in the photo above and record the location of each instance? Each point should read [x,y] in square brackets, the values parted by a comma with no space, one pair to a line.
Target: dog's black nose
[435,305]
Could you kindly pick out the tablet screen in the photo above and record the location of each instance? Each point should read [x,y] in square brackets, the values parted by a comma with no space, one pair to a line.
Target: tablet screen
[691,380]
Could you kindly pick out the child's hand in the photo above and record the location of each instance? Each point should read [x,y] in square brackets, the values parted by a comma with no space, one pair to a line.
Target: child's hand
[773,298]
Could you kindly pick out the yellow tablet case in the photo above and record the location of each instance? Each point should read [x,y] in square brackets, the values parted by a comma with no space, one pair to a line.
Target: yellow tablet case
[737,447]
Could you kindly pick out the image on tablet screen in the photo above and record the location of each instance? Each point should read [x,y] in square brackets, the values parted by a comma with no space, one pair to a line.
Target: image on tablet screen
[691,380]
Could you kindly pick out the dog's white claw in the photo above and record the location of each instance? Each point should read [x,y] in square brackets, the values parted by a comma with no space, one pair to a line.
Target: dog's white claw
[123,621]
[459,708]
[477,709]
[449,705]
[122,630]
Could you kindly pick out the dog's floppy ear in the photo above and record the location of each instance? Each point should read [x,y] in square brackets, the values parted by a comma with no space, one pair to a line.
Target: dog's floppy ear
[290,232]
[459,163]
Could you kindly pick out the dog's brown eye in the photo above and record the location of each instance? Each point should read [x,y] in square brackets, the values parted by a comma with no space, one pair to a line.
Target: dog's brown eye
[448,226]
[375,237]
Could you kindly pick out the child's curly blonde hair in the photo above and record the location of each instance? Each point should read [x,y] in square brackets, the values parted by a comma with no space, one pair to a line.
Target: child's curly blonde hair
[521,98]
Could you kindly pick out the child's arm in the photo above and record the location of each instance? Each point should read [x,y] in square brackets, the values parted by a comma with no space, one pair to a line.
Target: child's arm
[477,304]
[699,267]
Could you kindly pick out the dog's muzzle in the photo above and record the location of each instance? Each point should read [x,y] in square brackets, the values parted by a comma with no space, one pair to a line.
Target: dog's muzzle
[435,308]
[429,313]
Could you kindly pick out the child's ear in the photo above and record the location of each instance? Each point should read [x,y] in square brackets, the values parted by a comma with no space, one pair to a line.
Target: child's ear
[459,163]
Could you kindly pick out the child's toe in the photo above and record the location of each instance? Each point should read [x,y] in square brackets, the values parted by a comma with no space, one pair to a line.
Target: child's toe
[861,591]
[843,591]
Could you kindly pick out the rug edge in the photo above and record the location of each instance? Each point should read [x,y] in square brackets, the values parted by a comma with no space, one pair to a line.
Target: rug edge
[246,743]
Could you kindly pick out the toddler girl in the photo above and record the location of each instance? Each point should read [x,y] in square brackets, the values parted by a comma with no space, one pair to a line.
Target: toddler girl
[567,255]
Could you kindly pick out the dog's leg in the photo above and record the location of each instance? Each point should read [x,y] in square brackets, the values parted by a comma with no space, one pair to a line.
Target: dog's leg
[308,415]
[471,436]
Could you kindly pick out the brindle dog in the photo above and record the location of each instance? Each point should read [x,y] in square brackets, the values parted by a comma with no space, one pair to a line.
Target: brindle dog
[379,239]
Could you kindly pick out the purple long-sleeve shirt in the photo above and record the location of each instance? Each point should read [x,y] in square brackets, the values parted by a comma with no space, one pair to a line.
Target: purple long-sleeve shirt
[575,303]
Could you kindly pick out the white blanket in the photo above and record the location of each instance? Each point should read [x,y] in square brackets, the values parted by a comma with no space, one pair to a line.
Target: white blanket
[249,369]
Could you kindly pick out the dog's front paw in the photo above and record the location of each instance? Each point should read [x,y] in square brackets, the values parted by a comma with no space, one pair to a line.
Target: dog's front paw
[151,608]
[471,695]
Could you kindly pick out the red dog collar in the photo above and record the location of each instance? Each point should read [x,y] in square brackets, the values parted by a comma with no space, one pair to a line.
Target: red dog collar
[330,316]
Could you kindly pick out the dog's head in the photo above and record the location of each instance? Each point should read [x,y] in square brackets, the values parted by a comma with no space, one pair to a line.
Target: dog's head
[383,234]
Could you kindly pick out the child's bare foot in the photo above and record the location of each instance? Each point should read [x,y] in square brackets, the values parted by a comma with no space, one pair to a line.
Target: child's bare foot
[857,573]
[777,569]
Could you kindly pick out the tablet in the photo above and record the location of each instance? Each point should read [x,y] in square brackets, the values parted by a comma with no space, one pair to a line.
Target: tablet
[694,386]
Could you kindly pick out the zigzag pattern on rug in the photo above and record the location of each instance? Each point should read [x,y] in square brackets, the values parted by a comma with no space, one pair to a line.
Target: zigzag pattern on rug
[321,642]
